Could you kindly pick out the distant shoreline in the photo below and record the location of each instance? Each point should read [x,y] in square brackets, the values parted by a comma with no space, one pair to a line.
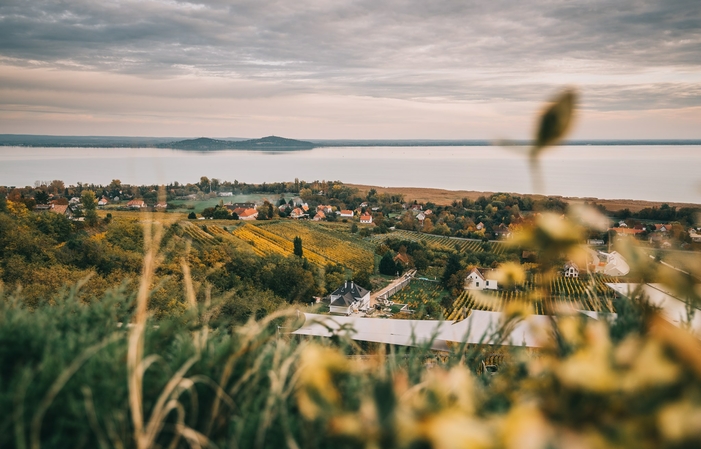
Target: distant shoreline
[445,197]
[45,141]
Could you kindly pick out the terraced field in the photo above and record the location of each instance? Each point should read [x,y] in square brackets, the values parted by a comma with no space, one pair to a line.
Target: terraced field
[444,243]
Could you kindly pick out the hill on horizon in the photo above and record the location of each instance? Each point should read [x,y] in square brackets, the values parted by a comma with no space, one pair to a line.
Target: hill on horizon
[265,143]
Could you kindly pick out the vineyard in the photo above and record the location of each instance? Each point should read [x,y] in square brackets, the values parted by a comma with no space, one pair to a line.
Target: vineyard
[197,234]
[352,253]
[229,237]
[445,243]
[419,292]
[575,293]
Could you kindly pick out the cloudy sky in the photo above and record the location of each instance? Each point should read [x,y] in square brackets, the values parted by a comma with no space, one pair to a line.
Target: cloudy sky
[347,69]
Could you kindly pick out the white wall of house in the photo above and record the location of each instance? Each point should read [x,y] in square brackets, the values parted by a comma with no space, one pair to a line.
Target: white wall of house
[474,281]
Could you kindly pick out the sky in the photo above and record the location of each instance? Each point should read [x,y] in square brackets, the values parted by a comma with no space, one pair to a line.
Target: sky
[348,69]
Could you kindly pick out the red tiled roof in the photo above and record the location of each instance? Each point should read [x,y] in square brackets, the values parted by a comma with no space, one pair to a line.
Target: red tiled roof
[247,213]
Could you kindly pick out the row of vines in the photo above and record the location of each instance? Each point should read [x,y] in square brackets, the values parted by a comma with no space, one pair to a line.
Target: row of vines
[352,254]
[446,243]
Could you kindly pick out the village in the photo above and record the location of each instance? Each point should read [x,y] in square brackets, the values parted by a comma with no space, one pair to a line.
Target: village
[403,249]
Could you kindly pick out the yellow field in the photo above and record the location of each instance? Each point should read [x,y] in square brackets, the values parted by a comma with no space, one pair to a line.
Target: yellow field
[265,242]
[357,255]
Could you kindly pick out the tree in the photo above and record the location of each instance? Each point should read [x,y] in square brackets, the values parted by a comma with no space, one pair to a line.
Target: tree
[204,184]
[387,265]
[298,246]
[192,216]
[354,228]
[220,213]
[451,267]
[41,197]
[89,203]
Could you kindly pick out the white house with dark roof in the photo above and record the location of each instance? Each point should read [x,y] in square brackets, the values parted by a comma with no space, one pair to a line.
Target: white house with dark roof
[476,281]
[349,298]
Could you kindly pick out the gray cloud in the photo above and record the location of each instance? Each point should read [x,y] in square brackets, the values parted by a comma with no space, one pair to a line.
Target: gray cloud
[458,51]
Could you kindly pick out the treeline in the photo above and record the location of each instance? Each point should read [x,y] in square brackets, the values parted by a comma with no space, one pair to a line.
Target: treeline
[684,215]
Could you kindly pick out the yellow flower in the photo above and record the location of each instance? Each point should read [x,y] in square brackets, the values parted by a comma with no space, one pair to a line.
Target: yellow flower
[680,421]
[318,368]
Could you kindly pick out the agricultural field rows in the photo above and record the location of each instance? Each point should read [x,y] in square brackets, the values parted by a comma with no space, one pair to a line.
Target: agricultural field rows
[229,237]
[576,287]
[197,234]
[347,252]
[267,242]
[446,243]
[419,292]
[562,294]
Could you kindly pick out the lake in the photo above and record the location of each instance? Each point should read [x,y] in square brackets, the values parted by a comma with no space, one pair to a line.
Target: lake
[642,172]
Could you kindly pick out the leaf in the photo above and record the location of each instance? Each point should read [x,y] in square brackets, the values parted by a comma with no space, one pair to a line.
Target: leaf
[556,120]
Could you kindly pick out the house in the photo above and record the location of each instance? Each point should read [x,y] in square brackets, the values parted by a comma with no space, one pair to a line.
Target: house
[610,264]
[225,194]
[349,298]
[103,202]
[346,213]
[62,209]
[571,270]
[240,207]
[620,231]
[428,212]
[622,224]
[402,258]
[366,218]
[324,208]
[502,231]
[238,210]
[136,204]
[595,242]
[305,207]
[476,281]
[696,238]
[363,204]
[74,201]
[319,216]
[479,226]
[421,217]
[161,205]
[248,214]
[663,227]
[297,213]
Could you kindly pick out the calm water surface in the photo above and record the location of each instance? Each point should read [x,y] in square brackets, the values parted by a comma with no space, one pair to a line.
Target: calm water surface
[646,172]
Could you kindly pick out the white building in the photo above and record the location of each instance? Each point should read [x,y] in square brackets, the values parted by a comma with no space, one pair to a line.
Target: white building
[349,298]
[476,281]
[571,270]
[610,264]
